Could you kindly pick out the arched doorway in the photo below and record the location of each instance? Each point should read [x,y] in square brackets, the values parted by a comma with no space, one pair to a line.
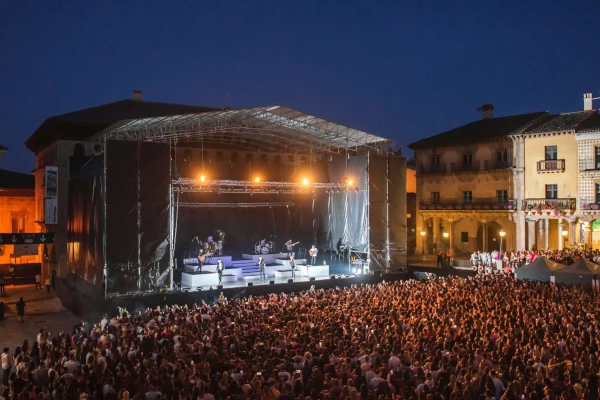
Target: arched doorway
[493,237]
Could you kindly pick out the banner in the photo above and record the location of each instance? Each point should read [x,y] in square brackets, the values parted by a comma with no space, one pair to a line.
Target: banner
[26,238]
[25,250]
[51,196]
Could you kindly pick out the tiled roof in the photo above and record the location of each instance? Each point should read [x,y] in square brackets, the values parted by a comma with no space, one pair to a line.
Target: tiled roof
[79,125]
[16,180]
[563,122]
[481,130]
[591,124]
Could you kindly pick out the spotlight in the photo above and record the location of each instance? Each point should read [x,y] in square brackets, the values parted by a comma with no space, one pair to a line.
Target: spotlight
[257,179]
[202,178]
[305,181]
[354,270]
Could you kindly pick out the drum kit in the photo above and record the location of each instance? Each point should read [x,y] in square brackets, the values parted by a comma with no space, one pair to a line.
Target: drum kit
[264,247]
[214,247]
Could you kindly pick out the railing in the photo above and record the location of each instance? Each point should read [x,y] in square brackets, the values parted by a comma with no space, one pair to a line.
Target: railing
[460,167]
[559,205]
[475,204]
[502,164]
[551,166]
[433,169]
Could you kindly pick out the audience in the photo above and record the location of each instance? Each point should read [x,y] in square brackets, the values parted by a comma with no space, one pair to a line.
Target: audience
[480,338]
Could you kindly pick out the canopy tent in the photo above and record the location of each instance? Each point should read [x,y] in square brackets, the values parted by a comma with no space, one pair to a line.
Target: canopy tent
[541,269]
[581,272]
[272,128]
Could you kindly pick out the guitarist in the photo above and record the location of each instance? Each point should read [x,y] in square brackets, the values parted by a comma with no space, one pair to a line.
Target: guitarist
[289,245]
[313,254]
[201,258]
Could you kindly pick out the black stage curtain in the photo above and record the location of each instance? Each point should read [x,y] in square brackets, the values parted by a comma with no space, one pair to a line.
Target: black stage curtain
[378,211]
[398,211]
[85,223]
[245,226]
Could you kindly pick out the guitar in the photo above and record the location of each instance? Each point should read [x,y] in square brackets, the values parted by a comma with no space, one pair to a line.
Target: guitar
[312,253]
[290,246]
[201,258]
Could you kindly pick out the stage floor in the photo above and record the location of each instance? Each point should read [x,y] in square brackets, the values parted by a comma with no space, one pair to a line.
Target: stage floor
[258,282]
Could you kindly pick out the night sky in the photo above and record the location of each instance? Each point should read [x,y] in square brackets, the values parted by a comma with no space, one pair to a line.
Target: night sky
[390,68]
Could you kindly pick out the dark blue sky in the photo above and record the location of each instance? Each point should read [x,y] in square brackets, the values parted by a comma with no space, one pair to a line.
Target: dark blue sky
[392,68]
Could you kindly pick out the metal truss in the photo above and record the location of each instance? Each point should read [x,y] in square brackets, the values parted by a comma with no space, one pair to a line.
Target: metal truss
[187,185]
[273,128]
[236,205]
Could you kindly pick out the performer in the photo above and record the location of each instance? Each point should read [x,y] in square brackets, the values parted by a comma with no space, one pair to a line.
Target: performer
[289,245]
[293,265]
[195,246]
[201,258]
[313,254]
[262,264]
[220,268]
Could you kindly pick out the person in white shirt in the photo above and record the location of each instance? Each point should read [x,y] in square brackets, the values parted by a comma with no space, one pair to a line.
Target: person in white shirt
[7,363]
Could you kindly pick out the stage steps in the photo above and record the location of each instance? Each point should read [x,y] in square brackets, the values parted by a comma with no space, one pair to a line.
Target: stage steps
[249,267]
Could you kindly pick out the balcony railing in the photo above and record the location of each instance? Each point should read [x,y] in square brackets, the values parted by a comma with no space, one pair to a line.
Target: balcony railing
[547,205]
[475,204]
[551,166]
[433,169]
[462,167]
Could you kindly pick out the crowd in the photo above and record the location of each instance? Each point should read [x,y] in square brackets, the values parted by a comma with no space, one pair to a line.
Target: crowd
[486,262]
[479,338]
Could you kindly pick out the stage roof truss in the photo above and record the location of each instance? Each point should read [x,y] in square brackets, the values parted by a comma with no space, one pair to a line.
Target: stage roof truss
[187,185]
[274,128]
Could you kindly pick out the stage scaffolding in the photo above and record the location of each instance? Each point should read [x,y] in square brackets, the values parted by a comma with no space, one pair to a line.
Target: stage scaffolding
[273,128]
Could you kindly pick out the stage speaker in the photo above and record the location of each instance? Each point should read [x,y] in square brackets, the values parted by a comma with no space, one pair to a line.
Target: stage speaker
[185,291]
[332,276]
[220,287]
[312,278]
[250,284]
[271,282]
[290,281]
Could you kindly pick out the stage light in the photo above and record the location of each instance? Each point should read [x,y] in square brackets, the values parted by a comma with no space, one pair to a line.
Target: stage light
[348,181]
[257,179]
[353,270]
[202,178]
[305,181]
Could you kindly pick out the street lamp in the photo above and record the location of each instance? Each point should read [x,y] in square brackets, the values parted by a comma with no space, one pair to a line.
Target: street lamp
[502,234]
[564,234]
[446,234]
[423,247]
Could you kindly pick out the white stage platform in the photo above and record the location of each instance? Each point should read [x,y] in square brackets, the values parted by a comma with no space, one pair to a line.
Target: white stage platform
[269,258]
[302,270]
[190,269]
[286,263]
[194,280]
[227,260]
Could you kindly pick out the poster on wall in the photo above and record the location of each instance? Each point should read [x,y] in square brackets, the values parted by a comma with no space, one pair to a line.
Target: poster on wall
[51,196]
[25,250]
[51,211]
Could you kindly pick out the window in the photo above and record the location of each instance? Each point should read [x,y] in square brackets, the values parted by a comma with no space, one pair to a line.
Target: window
[502,196]
[551,153]
[552,191]
[597,157]
[435,197]
[597,192]
[435,161]
[235,157]
[467,197]
[467,159]
[502,156]
[18,224]
[464,237]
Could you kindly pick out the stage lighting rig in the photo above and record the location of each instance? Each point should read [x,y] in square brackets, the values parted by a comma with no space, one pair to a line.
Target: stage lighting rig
[257,179]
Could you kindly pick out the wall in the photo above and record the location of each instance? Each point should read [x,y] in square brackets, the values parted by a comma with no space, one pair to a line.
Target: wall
[586,154]
[535,151]
[17,203]
[411,180]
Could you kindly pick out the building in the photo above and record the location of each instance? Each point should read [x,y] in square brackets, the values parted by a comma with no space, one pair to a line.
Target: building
[61,148]
[547,164]
[465,185]
[17,215]
[411,207]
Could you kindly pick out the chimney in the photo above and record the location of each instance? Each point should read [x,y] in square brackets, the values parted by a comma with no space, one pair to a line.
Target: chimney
[487,111]
[137,95]
[587,101]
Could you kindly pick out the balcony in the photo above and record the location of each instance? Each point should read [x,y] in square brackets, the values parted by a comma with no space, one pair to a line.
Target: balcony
[551,166]
[553,207]
[461,167]
[486,204]
[433,169]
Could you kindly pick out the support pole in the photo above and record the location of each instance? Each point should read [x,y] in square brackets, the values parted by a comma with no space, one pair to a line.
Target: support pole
[171,212]
[387,214]
[139,221]
[104,227]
